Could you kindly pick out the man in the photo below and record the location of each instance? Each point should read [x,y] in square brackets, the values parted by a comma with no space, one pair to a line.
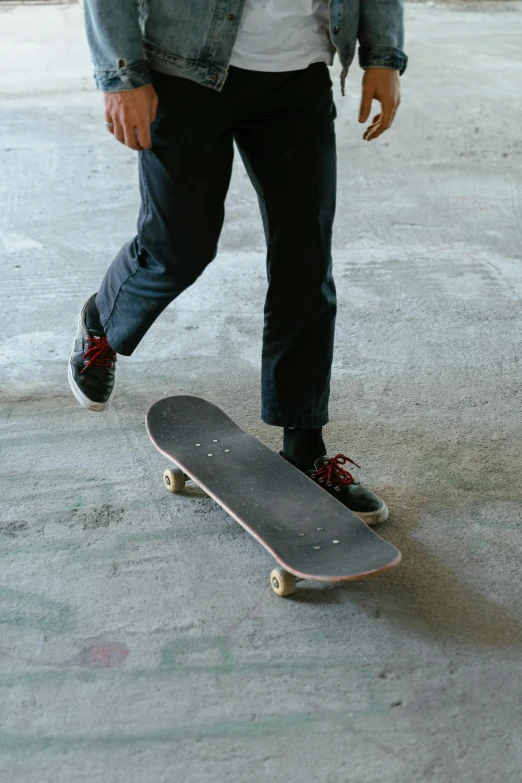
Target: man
[185,80]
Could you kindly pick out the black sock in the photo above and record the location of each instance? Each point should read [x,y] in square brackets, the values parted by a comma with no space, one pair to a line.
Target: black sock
[303,447]
[92,316]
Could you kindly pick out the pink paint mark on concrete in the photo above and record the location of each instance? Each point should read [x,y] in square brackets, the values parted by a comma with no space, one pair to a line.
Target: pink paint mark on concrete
[102,655]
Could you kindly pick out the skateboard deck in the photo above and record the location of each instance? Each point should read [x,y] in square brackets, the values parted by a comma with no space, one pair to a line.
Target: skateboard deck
[308,532]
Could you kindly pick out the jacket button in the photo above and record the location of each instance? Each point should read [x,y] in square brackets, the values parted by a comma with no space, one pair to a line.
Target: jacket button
[335,30]
[214,77]
[231,17]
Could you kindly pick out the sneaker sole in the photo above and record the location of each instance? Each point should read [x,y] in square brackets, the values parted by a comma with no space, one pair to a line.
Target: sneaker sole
[79,395]
[82,399]
[373,517]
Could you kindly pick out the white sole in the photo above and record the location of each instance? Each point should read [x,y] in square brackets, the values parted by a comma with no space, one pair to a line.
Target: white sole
[79,395]
[82,399]
[373,517]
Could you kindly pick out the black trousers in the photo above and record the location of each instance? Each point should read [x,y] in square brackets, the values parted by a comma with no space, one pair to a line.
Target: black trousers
[283,126]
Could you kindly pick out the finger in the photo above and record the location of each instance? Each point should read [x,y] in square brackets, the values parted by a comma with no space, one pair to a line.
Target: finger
[381,123]
[370,128]
[154,109]
[108,121]
[374,133]
[366,105]
[386,116]
[118,130]
[143,132]
[131,141]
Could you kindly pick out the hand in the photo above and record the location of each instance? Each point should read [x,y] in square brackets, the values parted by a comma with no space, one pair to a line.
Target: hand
[384,85]
[131,113]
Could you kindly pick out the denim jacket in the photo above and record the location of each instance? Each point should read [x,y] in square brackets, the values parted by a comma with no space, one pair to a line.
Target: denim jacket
[195,38]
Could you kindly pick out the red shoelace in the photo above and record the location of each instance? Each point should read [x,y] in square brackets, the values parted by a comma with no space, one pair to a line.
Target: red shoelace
[333,471]
[99,353]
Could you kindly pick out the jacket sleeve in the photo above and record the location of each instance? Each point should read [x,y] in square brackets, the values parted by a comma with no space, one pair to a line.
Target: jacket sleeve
[115,40]
[381,34]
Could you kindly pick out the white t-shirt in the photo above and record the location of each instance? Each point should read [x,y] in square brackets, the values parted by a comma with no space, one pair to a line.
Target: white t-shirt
[283,35]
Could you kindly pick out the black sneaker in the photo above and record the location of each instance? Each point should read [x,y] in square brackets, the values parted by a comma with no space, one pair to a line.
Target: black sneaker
[91,366]
[331,476]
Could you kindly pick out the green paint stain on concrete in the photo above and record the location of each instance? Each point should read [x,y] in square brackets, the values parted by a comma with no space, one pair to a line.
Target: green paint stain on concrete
[182,653]
[180,669]
[26,610]
[276,724]
[12,743]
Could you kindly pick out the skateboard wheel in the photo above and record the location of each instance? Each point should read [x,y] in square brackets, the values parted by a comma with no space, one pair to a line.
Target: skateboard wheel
[174,479]
[281,582]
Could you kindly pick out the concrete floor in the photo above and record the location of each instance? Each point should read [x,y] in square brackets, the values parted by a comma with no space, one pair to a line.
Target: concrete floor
[140,640]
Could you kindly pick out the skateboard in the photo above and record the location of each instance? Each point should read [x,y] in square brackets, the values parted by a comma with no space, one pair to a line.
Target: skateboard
[307,531]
